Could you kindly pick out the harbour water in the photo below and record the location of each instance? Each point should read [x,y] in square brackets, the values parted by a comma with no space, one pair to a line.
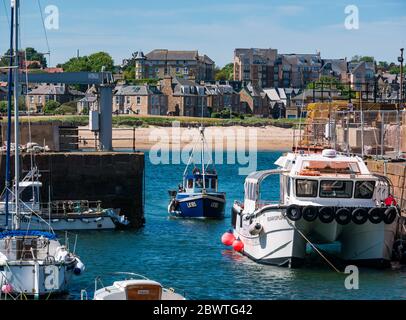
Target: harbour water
[189,256]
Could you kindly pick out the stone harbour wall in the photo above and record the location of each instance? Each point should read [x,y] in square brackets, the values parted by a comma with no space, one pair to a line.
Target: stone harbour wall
[116,179]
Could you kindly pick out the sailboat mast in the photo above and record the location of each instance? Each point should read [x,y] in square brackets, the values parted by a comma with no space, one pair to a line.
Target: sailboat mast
[16,5]
[9,115]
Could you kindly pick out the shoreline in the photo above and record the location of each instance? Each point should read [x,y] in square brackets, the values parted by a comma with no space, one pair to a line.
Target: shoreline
[233,138]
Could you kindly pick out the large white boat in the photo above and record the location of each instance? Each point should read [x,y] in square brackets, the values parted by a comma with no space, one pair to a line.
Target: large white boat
[324,198]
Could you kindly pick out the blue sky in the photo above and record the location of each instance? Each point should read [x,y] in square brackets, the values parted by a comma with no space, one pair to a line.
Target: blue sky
[214,27]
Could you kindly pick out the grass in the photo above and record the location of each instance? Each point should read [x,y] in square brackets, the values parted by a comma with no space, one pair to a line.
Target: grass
[163,121]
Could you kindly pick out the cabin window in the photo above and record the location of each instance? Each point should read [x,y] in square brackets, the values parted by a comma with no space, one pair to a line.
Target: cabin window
[190,183]
[306,188]
[214,183]
[336,189]
[288,188]
[207,183]
[199,183]
[364,189]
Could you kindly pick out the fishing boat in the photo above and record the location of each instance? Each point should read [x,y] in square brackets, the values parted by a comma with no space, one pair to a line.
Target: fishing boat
[198,195]
[66,215]
[324,198]
[33,263]
[134,287]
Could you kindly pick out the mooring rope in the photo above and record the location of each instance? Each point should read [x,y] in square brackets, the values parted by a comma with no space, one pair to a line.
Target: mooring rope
[312,245]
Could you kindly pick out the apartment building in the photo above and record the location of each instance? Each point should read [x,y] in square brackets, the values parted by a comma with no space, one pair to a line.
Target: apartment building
[181,64]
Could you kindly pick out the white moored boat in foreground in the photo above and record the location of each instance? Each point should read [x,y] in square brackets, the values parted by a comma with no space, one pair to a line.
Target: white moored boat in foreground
[324,198]
[136,288]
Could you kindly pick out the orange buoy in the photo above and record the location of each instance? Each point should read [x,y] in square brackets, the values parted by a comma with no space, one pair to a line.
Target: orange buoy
[238,245]
[228,238]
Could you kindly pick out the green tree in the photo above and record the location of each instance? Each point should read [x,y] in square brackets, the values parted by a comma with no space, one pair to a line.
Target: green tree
[358,58]
[51,106]
[93,63]
[34,55]
[3,106]
[394,70]
[226,73]
[99,60]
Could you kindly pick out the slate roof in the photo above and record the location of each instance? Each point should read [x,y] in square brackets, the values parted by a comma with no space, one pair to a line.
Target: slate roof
[142,90]
[164,54]
[54,90]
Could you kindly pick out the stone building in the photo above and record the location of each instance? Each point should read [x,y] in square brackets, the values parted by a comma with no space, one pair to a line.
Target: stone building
[143,100]
[221,96]
[162,62]
[254,100]
[37,98]
[185,97]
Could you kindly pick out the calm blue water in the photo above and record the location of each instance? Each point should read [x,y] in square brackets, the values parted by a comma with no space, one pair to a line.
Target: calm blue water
[188,255]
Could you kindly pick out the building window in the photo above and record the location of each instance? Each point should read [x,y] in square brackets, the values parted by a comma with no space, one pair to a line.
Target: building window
[138,100]
[40,99]
[186,71]
[31,99]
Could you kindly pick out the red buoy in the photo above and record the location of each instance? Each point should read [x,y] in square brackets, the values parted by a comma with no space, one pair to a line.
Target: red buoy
[238,245]
[228,238]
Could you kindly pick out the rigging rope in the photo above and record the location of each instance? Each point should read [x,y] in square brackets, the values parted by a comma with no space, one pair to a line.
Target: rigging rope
[45,31]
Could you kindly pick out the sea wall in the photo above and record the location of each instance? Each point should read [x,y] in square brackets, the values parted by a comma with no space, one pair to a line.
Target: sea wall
[116,179]
[396,172]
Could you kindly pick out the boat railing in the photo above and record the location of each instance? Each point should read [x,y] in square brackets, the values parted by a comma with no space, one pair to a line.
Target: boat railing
[69,207]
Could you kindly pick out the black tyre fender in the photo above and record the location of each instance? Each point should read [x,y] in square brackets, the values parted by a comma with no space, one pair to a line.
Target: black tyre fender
[375,215]
[294,212]
[360,216]
[326,214]
[343,216]
[390,215]
[310,213]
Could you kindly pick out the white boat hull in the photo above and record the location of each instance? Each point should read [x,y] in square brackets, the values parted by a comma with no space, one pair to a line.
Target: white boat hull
[280,243]
[76,223]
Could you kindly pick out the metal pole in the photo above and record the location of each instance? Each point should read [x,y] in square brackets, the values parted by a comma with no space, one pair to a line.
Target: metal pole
[16,115]
[400,59]
[9,114]
[382,131]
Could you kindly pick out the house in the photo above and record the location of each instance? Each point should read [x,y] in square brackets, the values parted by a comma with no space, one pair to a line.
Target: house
[361,75]
[276,102]
[143,100]
[220,96]
[336,68]
[40,95]
[389,87]
[185,97]
[254,100]
[301,100]
[162,62]
[89,102]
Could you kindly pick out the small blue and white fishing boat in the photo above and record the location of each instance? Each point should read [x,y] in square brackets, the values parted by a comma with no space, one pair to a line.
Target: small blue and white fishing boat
[198,195]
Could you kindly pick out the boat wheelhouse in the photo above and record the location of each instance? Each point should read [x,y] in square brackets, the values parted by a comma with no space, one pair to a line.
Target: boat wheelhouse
[324,198]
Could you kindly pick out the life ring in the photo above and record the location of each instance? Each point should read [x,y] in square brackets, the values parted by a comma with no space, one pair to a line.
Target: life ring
[310,213]
[294,212]
[326,214]
[343,216]
[359,216]
[390,215]
[375,215]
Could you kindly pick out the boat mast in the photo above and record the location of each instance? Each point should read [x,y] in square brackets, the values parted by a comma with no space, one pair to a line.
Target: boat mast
[16,5]
[202,137]
[9,111]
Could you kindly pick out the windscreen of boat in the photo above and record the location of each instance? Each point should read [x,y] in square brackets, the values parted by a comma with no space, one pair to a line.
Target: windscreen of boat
[336,189]
[306,188]
[364,189]
[345,167]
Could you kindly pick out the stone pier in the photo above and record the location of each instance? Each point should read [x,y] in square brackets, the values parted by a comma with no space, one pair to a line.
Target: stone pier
[116,179]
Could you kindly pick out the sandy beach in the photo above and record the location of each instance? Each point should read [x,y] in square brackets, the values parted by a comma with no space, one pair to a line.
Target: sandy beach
[268,138]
